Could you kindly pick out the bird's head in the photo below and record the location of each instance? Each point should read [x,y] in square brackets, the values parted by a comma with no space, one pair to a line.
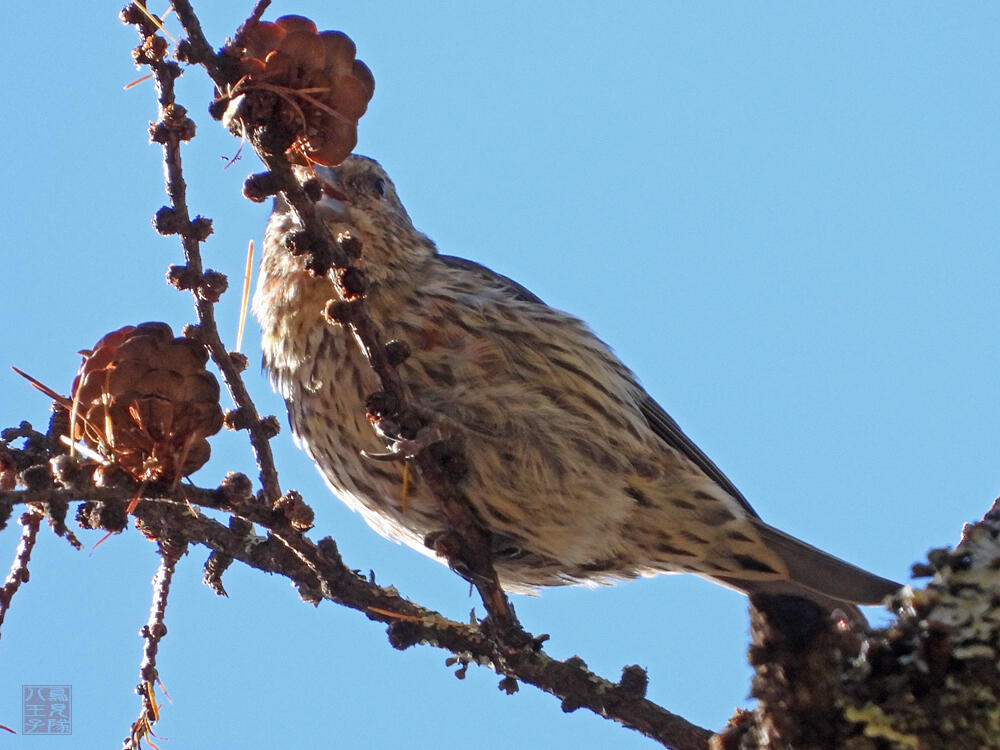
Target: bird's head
[359,193]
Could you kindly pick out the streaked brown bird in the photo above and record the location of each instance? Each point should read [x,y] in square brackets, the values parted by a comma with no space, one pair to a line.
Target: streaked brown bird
[577,472]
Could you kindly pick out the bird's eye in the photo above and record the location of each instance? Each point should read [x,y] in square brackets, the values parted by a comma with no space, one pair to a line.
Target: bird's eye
[379,185]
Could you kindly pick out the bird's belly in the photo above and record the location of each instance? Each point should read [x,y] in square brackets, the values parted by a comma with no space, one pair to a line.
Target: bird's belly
[558,494]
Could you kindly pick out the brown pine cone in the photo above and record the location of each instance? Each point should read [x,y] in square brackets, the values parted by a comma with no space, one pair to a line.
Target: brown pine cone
[143,400]
[305,83]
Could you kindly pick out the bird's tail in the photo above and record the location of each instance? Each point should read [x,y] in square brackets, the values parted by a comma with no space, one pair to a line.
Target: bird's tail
[815,575]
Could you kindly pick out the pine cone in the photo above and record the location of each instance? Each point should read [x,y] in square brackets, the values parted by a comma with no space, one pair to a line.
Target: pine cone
[144,400]
[311,85]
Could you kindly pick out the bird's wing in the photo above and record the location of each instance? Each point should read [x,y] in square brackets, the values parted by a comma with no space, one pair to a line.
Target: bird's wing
[671,433]
[516,289]
[661,423]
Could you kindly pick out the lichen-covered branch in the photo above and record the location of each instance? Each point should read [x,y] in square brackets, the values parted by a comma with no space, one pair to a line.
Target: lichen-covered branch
[929,681]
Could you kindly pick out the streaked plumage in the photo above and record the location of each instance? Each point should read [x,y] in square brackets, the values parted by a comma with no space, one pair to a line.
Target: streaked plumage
[577,471]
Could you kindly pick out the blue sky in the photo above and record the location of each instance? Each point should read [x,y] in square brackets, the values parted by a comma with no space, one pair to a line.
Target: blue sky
[782,216]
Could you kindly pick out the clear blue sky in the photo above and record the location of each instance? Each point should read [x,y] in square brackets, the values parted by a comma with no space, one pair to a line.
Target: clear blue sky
[784,218]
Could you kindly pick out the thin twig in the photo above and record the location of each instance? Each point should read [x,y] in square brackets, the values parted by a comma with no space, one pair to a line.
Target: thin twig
[172,128]
[253,19]
[171,550]
[30,521]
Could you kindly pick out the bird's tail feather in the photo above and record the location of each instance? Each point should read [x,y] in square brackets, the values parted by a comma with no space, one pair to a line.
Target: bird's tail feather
[815,575]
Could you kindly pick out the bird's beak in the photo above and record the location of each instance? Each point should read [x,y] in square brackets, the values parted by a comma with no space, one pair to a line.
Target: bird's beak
[334,201]
[334,204]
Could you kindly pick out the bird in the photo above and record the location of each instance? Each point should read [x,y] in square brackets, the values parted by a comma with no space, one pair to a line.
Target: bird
[579,475]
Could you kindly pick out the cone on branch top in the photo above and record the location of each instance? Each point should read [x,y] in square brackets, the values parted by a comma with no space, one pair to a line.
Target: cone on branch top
[304,83]
[144,400]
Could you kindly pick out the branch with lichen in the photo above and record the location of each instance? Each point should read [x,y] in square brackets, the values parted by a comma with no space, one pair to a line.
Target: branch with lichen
[927,681]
